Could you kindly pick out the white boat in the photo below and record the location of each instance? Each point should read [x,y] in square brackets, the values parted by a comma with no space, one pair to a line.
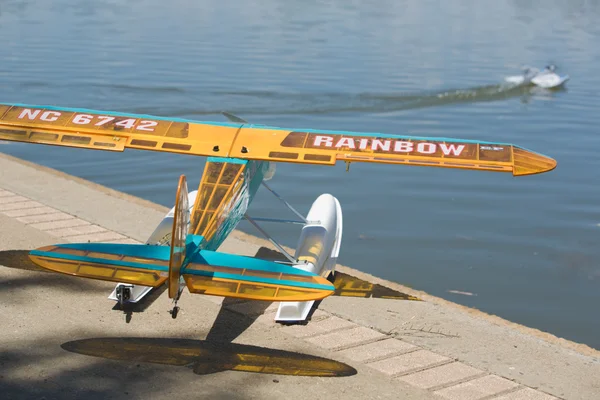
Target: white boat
[546,78]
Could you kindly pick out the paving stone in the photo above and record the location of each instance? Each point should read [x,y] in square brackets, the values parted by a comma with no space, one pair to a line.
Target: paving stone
[345,338]
[378,350]
[95,237]
[477,388]
[213,299]
[526,394]
[409,362]
[20,205]
[29,211]
[319,315]
[318,327]
[124,241]
[55,216]
[65,223]
[268,318]
[12,199]
[273,307]
[77,230]
[441,376]
[253,308]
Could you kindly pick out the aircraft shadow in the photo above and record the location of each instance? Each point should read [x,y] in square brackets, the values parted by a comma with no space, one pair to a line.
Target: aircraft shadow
[228,324]
[19,259]
[205,357]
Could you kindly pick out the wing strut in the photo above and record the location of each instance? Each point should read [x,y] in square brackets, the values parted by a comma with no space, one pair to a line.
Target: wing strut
[266,235]
[282,221]
[288,205]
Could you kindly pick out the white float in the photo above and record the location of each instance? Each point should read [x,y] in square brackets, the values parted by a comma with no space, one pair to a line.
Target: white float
[317,251]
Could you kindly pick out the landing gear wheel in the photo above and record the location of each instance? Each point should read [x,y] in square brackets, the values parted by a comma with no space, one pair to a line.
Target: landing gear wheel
[331,277]
[174,312]
[123,295]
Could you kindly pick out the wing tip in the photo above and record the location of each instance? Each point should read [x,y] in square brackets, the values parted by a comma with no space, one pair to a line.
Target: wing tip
[526,162]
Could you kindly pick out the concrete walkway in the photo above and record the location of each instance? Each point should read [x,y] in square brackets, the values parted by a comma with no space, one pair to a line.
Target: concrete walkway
[401,349]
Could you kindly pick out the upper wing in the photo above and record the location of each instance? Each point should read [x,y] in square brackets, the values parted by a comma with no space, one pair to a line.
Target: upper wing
[117,131]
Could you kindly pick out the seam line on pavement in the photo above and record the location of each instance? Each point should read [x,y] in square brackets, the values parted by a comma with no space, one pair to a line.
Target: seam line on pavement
[47,210]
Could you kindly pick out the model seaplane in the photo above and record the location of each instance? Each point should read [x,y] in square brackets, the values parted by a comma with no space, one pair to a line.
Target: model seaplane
[546,78]
[182,251]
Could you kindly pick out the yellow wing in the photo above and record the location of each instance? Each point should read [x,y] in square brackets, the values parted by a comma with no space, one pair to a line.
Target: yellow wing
[116,131]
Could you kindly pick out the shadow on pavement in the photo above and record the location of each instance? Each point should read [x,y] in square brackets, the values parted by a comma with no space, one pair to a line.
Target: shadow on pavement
[209,357]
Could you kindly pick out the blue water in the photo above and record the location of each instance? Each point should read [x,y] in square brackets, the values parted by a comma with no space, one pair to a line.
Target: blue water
[527,248]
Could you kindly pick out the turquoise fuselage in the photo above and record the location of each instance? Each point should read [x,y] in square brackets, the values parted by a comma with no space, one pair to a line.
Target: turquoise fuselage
[254,174]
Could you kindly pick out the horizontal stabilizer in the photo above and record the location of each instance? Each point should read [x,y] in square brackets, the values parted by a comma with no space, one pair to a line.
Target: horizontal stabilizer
[126,263]
[246,288]
[208,272]
[229,275]
[103,130]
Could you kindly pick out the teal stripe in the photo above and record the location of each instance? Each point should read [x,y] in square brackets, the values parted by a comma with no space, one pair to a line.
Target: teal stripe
[255,279]
[242,262]
[115,263]
[226,160]
[162,253]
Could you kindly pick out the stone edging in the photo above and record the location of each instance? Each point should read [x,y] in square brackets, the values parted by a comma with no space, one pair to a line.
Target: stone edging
[397,359]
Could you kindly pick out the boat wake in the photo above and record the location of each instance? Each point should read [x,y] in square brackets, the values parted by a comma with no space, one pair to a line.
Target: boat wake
[273,103]
[278,103]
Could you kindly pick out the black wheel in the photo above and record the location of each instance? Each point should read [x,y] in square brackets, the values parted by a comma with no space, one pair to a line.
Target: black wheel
[174,312]
[331,277]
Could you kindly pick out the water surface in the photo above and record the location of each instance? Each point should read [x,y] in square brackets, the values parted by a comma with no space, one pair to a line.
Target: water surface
[527,248]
